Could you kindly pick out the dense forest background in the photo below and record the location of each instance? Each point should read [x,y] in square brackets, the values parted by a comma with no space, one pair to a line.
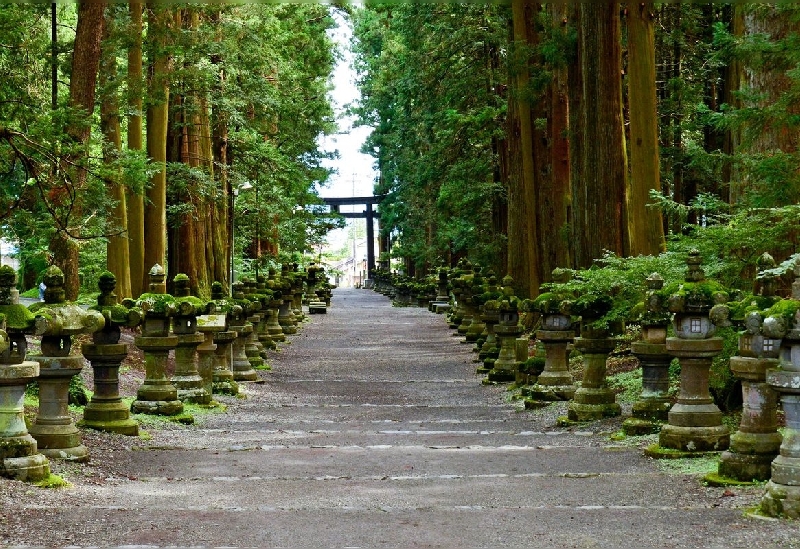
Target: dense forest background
[525,136]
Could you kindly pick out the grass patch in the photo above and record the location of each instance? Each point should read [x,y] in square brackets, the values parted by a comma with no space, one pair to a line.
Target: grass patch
[627,385]
[701,465]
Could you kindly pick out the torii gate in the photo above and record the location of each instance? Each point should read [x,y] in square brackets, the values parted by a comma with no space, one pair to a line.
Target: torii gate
[368,214]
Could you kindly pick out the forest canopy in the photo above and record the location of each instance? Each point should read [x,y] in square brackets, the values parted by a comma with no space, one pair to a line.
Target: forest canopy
[524,136]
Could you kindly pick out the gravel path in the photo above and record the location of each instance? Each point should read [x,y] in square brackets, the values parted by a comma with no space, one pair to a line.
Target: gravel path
[372,430]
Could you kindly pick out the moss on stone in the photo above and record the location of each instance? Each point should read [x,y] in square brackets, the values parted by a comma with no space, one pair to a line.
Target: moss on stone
[785,308]
[715,479]
[18,317]
[52,481]
[158,304]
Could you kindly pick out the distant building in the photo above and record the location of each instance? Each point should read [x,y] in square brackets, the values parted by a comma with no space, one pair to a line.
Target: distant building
[8,254]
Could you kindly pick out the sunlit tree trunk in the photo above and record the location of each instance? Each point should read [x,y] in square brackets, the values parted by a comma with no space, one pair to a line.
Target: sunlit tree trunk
[85,63]
[155,212]
[117,252]
[645,225]
[135,200]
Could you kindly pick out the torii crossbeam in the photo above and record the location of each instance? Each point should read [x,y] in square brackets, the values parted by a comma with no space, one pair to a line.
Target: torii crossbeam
[368,214]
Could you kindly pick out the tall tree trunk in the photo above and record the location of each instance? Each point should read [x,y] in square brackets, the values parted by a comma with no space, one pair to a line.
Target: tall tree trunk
[600,178]
[734,75]
[558,130]
[522,222]
[645,224]
[135,198]
[155,212]
[117,252]
[85,63]
[223,236]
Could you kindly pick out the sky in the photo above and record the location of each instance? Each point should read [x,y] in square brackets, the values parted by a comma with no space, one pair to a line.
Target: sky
[354,172]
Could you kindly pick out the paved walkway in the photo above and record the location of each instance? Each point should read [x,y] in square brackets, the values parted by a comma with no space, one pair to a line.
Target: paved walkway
[373,431]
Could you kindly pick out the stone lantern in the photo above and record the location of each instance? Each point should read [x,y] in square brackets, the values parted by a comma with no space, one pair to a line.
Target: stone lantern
[285,316]
[650,412]
[756,443]
[242,366]
[187,379]
[442,302]
[782,497]
[298,283]
[695,422]
[19,455]
[487,345]
[593,400]
[253,348]
[264,295]
[157,395]
[557,332]
[506,330]
[261,336]
[223,382]
[106,411]
[57,321]
[476,289]
[274,304]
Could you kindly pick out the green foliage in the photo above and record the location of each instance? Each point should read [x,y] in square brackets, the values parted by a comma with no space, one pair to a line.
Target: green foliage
[430,76]
[608,292]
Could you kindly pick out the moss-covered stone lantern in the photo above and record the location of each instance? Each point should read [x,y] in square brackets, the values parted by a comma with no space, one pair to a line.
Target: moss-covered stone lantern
[187,379]
[106,411]
[19,455]
[756,443]
[651,410]
[506,330]
[264,295]
[237,320]
[782,496]
[57,321]
[253,348]
[694,421]
[490,317]
[476,289]
[157,395]
[593,400]
[285,316]
[557,332]
[223,382]
[274,303]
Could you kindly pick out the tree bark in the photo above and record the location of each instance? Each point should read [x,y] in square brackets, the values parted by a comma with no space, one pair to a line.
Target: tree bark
[155,212]
[599,175]
[645,224]
[85,64]
[555,219]
[135,200]
[117,252]
[522,212]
